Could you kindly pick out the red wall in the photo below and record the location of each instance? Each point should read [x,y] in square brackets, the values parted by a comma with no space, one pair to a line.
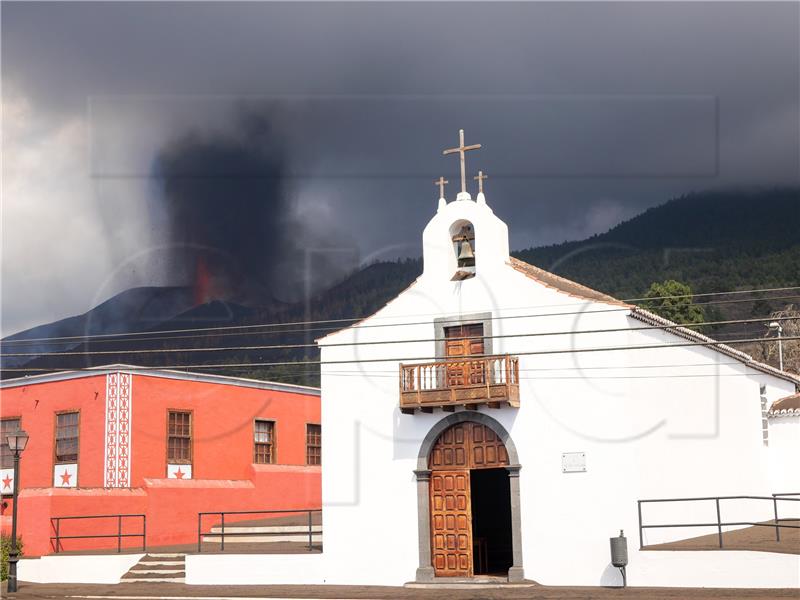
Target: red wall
[224,476]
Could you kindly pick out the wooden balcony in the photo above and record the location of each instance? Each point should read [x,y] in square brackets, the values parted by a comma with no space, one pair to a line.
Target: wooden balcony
[467,382]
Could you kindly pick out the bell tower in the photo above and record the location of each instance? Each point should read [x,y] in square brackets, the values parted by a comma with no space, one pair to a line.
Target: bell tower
[465,239]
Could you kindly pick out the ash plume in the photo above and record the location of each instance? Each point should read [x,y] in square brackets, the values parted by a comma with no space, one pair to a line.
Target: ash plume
[225,200]
[234,230]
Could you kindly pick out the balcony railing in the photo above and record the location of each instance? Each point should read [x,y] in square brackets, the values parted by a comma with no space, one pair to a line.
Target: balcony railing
[490,380]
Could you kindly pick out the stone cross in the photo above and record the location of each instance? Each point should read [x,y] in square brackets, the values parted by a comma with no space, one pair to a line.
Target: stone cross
[479,178]
[441,183]
[461,149]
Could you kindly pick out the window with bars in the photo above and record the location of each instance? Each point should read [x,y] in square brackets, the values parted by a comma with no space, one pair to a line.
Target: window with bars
[67,437]
[313,444]
[264,442]
[179,437]
[7,426]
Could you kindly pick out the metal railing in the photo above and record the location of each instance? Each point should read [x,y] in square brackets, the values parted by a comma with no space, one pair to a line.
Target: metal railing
[719,524]
[55,525]
[222,534]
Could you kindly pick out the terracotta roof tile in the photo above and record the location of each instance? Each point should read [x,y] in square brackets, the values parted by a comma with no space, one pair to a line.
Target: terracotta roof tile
[786,407]
[562,284]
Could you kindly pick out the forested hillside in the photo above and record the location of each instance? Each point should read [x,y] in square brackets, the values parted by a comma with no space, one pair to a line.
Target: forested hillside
[715,242]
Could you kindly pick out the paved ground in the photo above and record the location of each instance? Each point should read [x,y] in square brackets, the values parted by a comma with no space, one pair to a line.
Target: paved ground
[137,591]
[761,538]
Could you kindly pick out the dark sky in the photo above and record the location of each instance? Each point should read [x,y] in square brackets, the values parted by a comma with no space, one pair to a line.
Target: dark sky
[588,113]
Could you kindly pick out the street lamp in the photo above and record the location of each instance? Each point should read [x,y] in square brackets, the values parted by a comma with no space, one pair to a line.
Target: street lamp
[775,326]
[16,443]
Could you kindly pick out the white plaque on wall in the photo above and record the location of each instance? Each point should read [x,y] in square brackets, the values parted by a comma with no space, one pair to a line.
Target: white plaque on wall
[65,475]
[179,471]
[6,482]
[573,462]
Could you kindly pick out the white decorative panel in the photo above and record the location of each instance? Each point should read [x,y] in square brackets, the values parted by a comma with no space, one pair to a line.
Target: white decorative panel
[65,476]
[6,481]
[573,462]
[179,471]
[118,454]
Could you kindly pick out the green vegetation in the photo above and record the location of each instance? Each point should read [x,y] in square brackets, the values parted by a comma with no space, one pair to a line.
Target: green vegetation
[673,300]
[5,542]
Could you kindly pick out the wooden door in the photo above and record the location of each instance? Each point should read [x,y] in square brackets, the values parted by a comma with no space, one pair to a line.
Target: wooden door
[459,448]
[451,523]
[463,341]
[468,445]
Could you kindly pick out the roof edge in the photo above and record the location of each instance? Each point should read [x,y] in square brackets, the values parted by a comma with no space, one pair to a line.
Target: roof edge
[562,284]
[319,341]
[162,373]
[653,319]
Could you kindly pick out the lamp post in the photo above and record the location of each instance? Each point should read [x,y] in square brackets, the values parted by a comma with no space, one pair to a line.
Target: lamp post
[16,443]
[775,326]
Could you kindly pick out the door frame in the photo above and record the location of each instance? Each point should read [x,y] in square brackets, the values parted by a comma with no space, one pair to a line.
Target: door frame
[484,318]
[425,571]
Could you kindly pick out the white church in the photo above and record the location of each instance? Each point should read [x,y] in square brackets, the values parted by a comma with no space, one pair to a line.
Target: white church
[495,422]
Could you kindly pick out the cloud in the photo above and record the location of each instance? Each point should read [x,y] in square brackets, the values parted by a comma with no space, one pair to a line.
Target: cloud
[633,103]
[63,233]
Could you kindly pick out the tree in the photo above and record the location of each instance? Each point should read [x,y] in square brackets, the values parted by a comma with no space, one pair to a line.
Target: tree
[790,324]
[673,300]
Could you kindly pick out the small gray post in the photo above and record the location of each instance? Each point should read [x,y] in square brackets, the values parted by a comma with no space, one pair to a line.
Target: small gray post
[777,526]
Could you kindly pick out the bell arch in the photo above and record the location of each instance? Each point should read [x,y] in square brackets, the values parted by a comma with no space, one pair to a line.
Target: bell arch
[462,235]
[508,458]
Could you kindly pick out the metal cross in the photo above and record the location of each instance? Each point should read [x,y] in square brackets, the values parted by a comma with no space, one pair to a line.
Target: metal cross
[461,150]
[479,178]
[441,183]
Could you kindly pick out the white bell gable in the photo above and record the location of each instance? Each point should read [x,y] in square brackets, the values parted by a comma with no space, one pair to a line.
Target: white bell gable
[491,239]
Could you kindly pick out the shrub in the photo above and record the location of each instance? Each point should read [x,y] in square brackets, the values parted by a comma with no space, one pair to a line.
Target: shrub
[5,541]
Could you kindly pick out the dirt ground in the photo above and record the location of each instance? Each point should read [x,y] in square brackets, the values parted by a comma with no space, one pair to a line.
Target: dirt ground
[760,538]
[130,591]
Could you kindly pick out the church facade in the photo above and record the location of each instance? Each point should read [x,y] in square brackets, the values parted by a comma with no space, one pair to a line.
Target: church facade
[161,444]
[500,420]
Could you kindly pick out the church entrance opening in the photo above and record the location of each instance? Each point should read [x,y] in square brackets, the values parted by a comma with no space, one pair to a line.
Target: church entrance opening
[491,521]
[470,502]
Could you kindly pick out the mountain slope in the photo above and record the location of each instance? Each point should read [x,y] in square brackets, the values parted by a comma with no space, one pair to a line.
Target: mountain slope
[714,241]
[135,309]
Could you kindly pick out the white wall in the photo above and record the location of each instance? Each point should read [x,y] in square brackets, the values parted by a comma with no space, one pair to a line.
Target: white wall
[721,569]
[107,568]
[784,461]
[649,429]
[254,569]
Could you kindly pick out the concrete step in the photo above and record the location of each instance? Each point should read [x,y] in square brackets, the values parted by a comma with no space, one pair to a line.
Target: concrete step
[169,568]
[261,538]
[155,580]
[137,571]
[267,529]
[160,574]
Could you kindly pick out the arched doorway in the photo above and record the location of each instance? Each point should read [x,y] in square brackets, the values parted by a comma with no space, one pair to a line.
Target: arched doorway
[469,513]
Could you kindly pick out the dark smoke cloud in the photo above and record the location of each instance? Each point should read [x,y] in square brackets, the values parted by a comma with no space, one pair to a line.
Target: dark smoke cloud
[233,234]
[225,197]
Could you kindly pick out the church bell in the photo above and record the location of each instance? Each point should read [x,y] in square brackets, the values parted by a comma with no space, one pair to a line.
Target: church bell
[465,252]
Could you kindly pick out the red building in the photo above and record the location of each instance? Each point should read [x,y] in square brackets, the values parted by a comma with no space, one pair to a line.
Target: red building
[164,444]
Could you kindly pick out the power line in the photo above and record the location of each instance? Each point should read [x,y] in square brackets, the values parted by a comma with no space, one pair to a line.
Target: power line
[382,342]
[425,358]
[98,338]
